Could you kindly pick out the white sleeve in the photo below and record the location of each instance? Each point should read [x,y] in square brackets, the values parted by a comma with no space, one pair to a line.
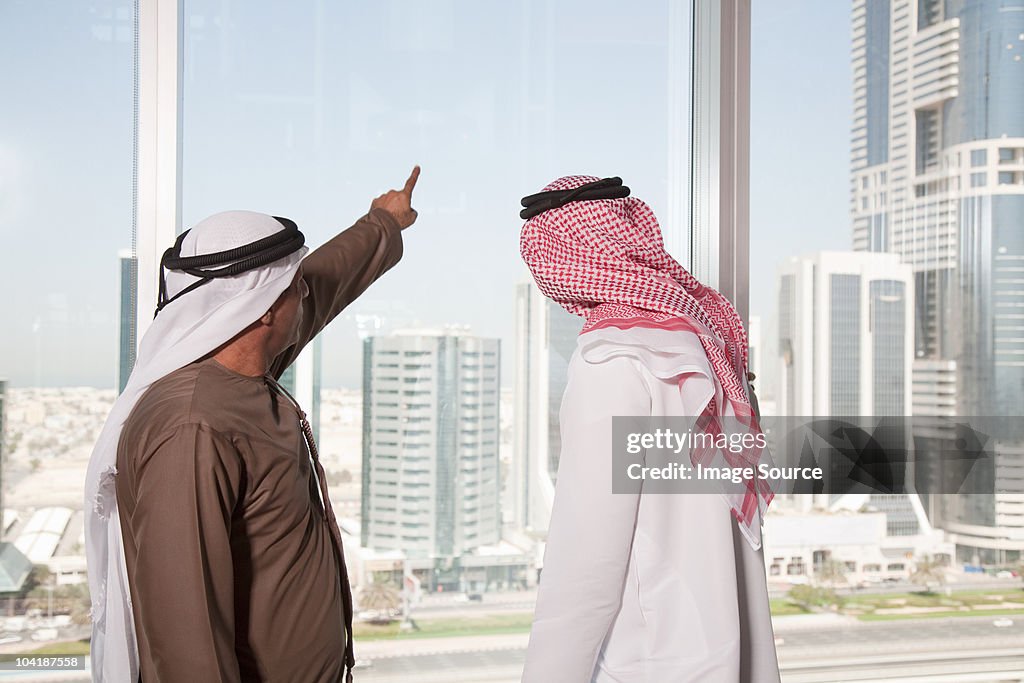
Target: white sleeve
[591,531]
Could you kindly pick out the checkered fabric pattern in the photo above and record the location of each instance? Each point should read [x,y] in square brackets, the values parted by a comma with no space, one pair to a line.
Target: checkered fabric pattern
[605,260]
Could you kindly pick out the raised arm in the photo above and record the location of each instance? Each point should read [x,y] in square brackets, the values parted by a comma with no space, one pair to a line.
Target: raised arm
[340,270]
[183,579]
[591,531]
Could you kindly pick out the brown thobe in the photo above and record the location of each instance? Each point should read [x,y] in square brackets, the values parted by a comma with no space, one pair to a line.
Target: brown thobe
[231,562]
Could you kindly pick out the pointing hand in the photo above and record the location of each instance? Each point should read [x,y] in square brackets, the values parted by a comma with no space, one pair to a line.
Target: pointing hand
[399,202]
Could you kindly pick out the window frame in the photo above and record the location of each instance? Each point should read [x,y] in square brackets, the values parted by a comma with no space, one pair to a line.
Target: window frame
[156,206]
[720,143]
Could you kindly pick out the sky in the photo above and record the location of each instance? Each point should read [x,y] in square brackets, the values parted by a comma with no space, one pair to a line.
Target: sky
[310,109]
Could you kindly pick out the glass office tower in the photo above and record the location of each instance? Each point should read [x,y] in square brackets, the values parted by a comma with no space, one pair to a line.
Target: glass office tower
[937,153]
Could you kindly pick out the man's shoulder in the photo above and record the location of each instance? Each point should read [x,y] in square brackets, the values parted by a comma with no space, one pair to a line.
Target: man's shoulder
[190,395]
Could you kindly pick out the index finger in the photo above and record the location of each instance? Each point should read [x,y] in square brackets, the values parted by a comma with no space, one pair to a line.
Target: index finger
[411,182]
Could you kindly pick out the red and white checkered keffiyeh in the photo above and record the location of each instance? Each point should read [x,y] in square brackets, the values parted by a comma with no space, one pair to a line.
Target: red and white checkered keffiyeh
[605,260]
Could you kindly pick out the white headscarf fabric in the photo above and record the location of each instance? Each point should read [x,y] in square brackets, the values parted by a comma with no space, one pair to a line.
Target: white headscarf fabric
[185,330]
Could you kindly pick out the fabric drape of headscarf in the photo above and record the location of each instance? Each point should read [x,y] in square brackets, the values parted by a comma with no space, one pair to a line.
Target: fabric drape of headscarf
[185,330]
[605,260]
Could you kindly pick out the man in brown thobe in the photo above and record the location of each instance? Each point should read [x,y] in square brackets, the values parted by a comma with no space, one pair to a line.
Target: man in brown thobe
[231,558]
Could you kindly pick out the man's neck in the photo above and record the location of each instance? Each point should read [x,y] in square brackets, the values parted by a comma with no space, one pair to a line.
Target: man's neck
[251,364]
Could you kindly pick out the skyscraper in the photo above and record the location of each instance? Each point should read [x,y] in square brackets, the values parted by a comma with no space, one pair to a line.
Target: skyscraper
[430,478]
[545,340]
[3,456]
[845,335]
[126,326]
[846,346]
[937,159]
[755,349]
[303,380]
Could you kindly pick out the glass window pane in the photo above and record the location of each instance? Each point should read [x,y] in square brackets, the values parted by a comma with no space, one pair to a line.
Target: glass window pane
[66,271]
[310,110]
[906,306]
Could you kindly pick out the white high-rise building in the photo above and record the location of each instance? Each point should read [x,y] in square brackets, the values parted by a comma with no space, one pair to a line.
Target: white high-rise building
[934,389]
[545,340]
[845,335]
[761,362]
[303,380]
[430,478]
[846,350]
[755,346]
[937,161]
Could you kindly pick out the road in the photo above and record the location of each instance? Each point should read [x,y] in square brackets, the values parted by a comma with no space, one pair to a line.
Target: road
[908,587]
[811,650]
[950,650]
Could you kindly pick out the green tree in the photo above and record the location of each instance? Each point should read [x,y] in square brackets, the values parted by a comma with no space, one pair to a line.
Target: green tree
[928,572]
[39,576]
[380,597]
[813,598]
[70,599]
[830,573]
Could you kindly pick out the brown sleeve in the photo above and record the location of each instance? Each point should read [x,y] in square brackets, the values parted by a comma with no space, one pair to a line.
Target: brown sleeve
[341,270]
[183,579]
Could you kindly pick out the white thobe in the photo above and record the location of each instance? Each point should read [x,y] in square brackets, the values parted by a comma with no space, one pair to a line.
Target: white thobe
[658,588]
